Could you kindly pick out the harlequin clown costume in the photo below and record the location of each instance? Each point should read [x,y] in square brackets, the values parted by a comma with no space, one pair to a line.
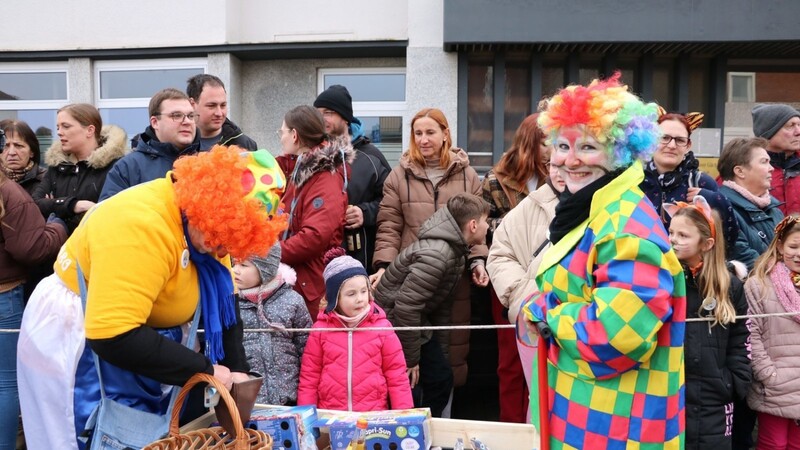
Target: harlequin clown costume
[146,271]
[612,292]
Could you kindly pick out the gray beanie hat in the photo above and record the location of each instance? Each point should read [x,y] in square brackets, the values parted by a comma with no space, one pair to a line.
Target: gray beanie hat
[268,266]
[768,119]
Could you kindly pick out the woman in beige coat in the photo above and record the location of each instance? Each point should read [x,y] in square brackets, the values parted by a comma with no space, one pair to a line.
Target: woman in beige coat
[517,250]
[773,288]
[428,174]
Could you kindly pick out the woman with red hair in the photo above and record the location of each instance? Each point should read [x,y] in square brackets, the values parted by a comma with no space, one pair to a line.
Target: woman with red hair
[428,174]
[150,257]
[520,171]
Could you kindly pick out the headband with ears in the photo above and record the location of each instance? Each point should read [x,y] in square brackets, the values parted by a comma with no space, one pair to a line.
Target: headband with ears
[695,119]
[700,204]
[785,223]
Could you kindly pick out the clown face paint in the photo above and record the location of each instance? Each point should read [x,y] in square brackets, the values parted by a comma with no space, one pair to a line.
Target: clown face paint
[579,157]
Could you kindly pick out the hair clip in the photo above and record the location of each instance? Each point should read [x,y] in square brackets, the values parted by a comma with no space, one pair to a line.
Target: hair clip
[701,205]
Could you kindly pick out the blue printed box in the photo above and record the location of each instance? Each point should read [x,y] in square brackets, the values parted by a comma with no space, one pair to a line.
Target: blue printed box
[408,429]
[291,428]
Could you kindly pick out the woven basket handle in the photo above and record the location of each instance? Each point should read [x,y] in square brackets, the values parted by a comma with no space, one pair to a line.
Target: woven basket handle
[174,430]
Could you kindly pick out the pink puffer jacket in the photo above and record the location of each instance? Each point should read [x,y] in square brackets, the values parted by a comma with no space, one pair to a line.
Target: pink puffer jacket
[379,380]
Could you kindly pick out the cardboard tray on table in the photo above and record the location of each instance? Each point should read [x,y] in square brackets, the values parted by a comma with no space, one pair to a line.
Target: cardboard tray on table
[444,432]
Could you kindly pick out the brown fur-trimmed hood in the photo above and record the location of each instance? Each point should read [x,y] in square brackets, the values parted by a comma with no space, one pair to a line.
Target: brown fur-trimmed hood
[327,157]
[113,146]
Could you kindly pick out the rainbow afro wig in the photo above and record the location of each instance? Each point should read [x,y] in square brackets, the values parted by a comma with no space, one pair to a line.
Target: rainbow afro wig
[233,197]
[612,115]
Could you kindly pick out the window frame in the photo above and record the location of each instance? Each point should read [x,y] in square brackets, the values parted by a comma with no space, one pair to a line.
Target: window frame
[141,65]
[751,95]
[368,108]
[36,67]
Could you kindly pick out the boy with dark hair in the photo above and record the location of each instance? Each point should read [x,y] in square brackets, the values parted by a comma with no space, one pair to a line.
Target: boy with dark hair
[415,291]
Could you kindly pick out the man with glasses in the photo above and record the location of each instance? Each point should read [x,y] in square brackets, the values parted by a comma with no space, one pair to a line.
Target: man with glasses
[210,101]
[172,133]
[780,125]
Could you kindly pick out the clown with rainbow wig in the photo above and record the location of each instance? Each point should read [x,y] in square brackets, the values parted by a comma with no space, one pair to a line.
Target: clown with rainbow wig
[611,289]
[150,257]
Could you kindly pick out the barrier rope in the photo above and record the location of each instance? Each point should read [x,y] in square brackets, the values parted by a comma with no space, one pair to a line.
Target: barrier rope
[447,327]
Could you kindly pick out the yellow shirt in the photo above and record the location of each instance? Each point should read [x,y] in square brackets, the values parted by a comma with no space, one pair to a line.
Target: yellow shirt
[133,253]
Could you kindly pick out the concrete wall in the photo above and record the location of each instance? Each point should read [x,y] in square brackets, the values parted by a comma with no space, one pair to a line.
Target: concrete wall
[100,24]
[274,87]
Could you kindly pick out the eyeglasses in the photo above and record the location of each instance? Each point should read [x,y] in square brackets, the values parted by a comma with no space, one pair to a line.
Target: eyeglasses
[178,117]
[280,132]
[679,141]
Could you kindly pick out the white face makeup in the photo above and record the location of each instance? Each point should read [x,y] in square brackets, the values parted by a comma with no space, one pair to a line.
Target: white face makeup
[579,157]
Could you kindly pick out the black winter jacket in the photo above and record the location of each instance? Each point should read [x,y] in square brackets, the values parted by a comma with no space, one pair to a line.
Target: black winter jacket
[365,190]
[717,369]
[68,181]
[233,135]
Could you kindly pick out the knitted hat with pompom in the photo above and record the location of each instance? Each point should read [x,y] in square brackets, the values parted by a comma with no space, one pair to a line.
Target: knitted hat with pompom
[339,267]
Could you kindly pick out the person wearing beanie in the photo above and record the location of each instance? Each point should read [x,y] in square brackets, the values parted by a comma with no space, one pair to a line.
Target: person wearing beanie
[143,262]
[369,170]
[267,300]
[356,370]
[780,125]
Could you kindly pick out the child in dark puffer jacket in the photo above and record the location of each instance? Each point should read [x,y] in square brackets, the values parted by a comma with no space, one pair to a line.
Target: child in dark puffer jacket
[267,300]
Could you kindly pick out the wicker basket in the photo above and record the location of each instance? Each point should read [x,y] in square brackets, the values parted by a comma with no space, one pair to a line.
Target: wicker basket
[214,438]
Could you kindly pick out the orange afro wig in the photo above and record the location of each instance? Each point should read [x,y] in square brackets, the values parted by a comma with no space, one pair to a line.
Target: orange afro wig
[214,190]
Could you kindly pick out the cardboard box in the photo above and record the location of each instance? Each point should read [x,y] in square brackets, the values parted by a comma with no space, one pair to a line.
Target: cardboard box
[291,428]
[408,429]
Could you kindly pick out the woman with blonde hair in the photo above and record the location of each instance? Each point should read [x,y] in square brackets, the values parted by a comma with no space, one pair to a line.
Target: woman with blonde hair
[773,288]
[78,163]
[431,172]
[716,355]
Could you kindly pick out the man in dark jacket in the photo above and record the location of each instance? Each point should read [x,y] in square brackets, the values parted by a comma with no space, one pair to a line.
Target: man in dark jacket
[780,125]
[210,101]
[368,171]
[172,133]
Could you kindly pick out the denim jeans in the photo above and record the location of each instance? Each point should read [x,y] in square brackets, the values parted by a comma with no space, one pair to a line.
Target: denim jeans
[11,304]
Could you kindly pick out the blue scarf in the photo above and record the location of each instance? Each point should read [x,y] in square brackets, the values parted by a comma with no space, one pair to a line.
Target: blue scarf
[216,297]
[356,130]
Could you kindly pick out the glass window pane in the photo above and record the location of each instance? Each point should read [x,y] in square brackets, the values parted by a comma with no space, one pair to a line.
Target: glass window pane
[41,121]
[552,80]
[386,133]
[699,73]
[740,88]
[518,100]
[371,87]
[663,84]
[480,111]
[143,83]
[132,120]
[33,86]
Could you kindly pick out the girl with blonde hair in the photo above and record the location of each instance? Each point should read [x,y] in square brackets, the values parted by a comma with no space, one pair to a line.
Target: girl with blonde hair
[716,355]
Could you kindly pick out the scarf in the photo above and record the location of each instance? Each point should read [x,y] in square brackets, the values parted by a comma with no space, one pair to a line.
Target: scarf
[573,209]
[785,289]
[761,201]
[216,297]
[352,322]
[673,178]
[18,174]
[259,294]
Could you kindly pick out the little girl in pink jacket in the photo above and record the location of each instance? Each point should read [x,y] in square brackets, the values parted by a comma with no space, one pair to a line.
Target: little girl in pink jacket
[378,377]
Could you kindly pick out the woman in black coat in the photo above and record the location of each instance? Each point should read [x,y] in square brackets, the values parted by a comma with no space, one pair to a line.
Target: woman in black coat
[78,163]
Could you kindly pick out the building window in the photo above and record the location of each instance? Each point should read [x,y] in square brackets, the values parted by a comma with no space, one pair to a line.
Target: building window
[379,102]
[33,93]
[124,88]
[741,87]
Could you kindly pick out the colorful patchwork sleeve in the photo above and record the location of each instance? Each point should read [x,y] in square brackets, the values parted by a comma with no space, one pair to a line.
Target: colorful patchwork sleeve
[613,327]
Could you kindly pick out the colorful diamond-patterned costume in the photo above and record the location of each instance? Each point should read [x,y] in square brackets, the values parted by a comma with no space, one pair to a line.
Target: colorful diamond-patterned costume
[613,293]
